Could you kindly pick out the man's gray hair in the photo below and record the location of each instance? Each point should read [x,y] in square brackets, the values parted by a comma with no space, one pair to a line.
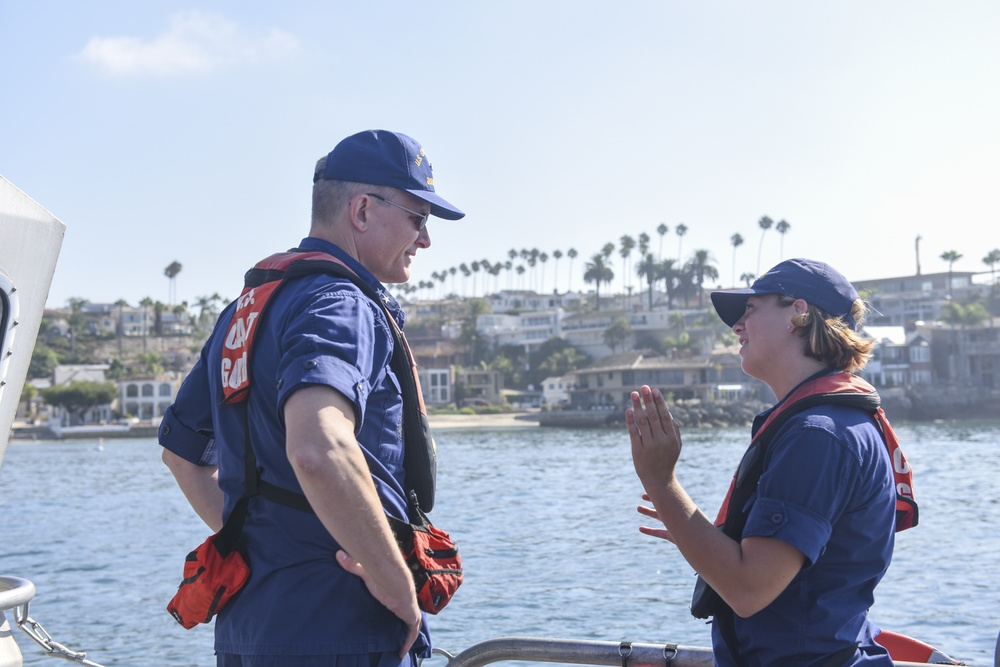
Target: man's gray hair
[330,197]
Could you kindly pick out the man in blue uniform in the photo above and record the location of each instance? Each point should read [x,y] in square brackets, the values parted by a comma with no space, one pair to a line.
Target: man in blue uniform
[324,415]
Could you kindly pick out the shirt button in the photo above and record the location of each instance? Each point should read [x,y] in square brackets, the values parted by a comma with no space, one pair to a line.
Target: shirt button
[309,365]
[166,430]
[776,518]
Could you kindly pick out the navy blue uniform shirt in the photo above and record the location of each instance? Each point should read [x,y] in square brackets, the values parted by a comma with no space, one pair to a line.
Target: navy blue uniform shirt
[319,330]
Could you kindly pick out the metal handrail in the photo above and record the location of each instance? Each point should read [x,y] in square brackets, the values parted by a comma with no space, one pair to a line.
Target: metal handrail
[14,592]
[586,652]
[581,652]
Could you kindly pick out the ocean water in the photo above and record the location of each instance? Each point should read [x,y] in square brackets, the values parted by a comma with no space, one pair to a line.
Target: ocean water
[546,523]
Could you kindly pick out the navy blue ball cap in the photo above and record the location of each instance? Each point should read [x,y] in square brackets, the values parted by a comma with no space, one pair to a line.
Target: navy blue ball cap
[815,282]
[381,157]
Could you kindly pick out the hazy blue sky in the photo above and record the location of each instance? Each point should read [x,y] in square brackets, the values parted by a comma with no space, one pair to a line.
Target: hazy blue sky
[162,131]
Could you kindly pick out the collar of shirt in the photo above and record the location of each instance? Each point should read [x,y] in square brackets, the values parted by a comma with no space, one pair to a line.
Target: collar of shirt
[313,243]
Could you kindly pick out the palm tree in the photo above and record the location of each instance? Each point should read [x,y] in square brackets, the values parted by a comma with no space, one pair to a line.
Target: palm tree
[571,253]
[179,312]
[737,241]
[680,230]
[765,224]
[649,269]
[464,268]
[627,244]
[701,269]
[782,228]
[687,286]
[598,272]
[748,278]
[121,303]
[556,255]
[618,333]
[644,244]
[668,273]
[662,230]
[158,308]
[475,276]
[991,260]
[543,257]
[950,256]
[495,272]
[171,273]
[532,262]
[203,303]
[145,303]
[964,315]
[76,321]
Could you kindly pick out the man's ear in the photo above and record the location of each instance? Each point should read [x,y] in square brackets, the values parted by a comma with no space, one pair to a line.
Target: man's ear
[358,209]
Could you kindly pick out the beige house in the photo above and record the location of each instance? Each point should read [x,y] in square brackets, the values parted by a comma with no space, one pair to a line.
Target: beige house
[608,383]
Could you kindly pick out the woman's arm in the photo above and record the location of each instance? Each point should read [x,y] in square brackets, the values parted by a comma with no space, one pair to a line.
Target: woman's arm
[749,574]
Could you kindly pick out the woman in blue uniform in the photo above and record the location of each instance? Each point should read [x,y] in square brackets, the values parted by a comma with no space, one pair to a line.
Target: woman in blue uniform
[813,539]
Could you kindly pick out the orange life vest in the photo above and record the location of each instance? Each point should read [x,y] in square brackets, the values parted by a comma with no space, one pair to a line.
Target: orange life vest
[262,282]
[837,389]
[831,389]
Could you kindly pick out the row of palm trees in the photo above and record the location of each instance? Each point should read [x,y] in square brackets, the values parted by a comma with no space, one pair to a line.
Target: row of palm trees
[525,268]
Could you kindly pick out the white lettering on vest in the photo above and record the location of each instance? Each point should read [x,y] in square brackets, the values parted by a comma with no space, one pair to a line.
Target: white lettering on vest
[904,490]
[245,300]
[234,372]
[239,331]
[899,464]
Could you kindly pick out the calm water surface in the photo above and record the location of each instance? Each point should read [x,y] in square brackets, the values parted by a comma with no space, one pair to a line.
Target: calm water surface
[546,522]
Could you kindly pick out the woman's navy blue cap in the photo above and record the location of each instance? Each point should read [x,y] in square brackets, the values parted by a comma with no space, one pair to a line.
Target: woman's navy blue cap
[380,157]
[815,282]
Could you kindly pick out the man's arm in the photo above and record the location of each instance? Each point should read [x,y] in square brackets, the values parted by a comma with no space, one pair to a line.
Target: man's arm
[200,485]
[331,468]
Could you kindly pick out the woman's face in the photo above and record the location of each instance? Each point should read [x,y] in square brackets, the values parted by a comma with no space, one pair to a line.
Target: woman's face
[764,332]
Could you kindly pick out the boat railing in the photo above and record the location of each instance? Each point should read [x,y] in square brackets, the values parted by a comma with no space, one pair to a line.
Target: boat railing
[16,594]
[587,652]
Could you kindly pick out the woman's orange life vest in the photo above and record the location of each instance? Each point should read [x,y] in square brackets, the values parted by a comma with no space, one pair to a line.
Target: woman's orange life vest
[833,389]
[262,282]
[907,649]
[837,389]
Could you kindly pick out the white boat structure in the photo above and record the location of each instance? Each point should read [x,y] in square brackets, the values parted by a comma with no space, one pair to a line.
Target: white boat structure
[30,240]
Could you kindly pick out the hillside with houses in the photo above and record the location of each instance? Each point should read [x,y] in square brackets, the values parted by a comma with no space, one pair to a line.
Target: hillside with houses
[108,367]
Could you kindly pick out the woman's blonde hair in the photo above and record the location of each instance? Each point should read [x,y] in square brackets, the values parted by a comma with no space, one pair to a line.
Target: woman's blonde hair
[830,339]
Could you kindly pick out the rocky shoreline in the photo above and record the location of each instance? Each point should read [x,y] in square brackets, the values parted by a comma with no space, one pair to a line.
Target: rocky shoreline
[916,405]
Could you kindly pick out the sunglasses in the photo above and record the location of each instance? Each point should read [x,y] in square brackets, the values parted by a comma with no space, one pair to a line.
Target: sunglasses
[422,217]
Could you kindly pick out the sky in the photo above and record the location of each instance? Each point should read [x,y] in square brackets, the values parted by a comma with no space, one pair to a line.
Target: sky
[162,131]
